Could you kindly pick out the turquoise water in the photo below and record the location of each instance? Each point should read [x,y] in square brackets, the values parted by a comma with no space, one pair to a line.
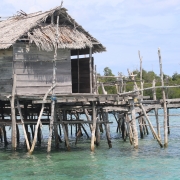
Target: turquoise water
[121,162]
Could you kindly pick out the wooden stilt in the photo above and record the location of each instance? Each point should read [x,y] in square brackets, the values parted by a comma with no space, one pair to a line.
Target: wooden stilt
[168,120]
[18,134]
[156,110]
[51,126]
[5,136]
[39,135]
[141,127]
[130,134]
[24,130]
[60,130]
[32,130]
[93,126]
[13,115]
[39,120]
[133,124]
[1,134]
[85,130]
[56,130]
[107,127]
[63,127]
[164,102]
[97,134]
[150,125]
[123,129]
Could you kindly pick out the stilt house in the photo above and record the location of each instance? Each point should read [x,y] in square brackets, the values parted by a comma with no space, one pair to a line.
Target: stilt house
[28,49]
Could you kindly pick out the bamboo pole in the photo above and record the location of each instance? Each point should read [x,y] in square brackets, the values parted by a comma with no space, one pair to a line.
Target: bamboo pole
[164,102]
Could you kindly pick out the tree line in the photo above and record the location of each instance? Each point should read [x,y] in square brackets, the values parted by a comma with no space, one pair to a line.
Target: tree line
[148,77]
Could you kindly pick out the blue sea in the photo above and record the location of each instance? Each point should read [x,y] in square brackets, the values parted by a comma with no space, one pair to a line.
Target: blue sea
[122,161]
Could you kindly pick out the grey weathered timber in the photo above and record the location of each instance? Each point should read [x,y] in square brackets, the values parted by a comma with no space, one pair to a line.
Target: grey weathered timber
[63,127]
[90,68]
[150,125]
[13,115]
[39,119]
[133,124]
[156,110]
[24,130]
[164,102]
[93,126]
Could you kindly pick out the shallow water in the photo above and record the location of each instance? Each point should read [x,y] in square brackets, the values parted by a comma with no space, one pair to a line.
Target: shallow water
[121,162]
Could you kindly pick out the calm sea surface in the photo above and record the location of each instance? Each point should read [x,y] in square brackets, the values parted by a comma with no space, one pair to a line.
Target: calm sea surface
[121,162]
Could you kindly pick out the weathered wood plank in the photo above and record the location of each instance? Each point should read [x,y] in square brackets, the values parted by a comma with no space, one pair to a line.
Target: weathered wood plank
[42,90]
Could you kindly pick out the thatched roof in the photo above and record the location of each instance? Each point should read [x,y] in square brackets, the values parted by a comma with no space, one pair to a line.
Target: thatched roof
[41,29]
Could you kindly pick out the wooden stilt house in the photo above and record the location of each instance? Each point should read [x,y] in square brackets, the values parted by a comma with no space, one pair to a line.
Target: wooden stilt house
[27,51]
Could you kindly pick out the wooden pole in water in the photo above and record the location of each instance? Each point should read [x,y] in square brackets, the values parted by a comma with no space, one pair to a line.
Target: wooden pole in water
[53,97]
[90,68]
[156,110]
[107,127]
[93,126]
[64,128]
[24,129]
[39,119]
[133,124]
[164,101]
[13,115]
[150,125]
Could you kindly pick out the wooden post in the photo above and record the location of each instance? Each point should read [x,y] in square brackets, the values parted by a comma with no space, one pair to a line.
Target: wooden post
[141,127]
[13,115]
[63,127]
[107,127]
[5,136]
[24,129]
[93,126]
[133,124]
[168,120]
[164,102]
[156,110]
[141,72]
[78,72]
[90,68]
[97,132]
[18,134]
[56,130]
[39,119]
[150,125]
[129,129]
[51,126]
[96,86]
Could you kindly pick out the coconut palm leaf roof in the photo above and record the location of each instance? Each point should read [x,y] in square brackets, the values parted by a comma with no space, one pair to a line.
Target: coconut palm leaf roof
[41,28]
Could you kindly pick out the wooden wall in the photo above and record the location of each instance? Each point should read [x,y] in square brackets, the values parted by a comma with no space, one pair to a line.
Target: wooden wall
[80,75]
[34,70]
[6,58]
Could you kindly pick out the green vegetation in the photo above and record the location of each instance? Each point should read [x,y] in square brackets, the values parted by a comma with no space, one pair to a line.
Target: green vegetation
[148,77]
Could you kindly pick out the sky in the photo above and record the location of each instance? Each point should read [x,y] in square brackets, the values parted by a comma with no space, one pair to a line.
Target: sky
[124,27]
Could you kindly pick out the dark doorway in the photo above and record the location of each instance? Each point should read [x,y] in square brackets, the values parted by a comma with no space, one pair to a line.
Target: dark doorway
[80,75]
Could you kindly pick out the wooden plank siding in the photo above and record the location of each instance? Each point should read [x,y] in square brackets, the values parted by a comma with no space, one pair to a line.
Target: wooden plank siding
[6,58]
[34,70]
[84,75]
